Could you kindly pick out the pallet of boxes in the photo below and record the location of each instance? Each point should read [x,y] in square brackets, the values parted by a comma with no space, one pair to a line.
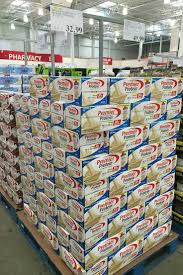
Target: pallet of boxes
[100,156]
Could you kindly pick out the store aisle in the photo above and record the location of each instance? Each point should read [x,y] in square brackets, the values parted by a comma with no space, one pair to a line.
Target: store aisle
[18,258]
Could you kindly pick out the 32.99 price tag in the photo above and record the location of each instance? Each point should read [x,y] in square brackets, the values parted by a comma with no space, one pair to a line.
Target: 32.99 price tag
[66,20]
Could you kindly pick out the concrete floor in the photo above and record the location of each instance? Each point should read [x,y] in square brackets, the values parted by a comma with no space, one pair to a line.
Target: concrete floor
[17,257]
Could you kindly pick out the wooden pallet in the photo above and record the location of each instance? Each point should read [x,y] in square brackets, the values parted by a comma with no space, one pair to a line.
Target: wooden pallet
[9,204]
[44,249]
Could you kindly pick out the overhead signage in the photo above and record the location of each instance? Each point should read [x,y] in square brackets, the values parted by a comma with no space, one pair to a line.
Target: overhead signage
[133,31]
[34,57]
[66,20]
[107,61]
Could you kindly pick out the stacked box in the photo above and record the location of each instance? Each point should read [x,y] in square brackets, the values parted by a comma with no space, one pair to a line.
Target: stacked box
[100,164]
[9,155]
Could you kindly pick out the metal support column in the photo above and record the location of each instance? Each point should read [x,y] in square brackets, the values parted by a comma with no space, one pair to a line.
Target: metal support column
[109,47]
[52,44]
[140,49]
[93,47]
[160,44]
[25,53]
[101,48]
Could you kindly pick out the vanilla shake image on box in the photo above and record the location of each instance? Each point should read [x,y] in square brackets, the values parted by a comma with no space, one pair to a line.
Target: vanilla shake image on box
[141,229]
[128,138]
[84,120]
[126,255]
[164,130]
[125,219]
[164,88]
[127,181]
[143,194]
[157,236]
[92,91]
[62,88]
[161,168]
[145,155]
[147,112]
[159,203]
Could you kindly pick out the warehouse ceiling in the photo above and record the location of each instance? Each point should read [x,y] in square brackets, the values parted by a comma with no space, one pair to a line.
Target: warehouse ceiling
[159,18]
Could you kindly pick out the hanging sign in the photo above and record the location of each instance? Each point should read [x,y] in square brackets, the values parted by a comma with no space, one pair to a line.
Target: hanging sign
[133,31]
[107,61]
[37,57]
[66,20]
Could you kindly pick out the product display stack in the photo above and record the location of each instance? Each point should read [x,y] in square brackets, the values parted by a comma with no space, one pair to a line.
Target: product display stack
[178,202]
[11,87]
[98,158]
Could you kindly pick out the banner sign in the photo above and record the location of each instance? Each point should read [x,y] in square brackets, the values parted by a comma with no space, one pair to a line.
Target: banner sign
[134,31]
[107,61]
[34,57]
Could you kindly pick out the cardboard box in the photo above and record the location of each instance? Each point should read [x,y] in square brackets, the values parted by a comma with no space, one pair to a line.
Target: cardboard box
[164,130]
[161,168]
[62,88]
[148,112]
[165,216]
[145,155]
[30,214]
[144,194]
[94,169]
[81,146]
[47,204]
[127,181]
[61,200]
[174,107]
[128,138]
[127,90]
[142,229]
[85,120]
[41,129]
[49,236]
[126,255]
[167,183]
[169,148]
[125,219]
[157,236]
[164,88]
[39,87]
[159,203]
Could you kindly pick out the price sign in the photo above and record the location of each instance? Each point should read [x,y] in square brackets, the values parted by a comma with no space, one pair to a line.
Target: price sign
[66,20]
[133,31]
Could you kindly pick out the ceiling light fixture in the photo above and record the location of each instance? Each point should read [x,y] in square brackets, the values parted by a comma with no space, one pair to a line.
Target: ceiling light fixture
[12,26]
[40,12]
[117,33]
[107,4]
[91,21]
[106,23]
[17,3]
[26,19]
[115,40]
[166,2]
[125,10]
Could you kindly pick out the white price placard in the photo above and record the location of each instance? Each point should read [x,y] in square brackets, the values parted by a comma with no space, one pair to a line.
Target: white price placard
[66,20]
[133,31]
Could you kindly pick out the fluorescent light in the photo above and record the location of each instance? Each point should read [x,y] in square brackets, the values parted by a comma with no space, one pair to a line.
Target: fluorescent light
[172,22]
[17,2]
[166,2]
[12,26]
[107,4]
[91,21]
[69,1]
[177,3]
[117,33]
[115,40]
[26,19]
[106,23]
[125,10]
[40,11]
